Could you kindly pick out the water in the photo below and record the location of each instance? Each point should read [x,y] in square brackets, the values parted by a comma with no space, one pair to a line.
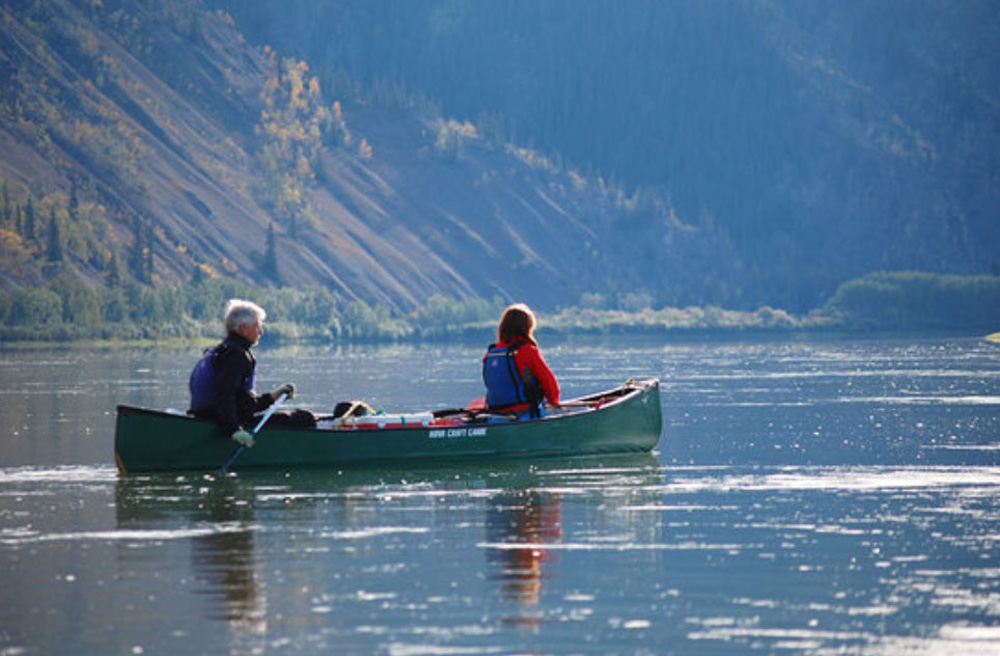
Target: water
[837,497]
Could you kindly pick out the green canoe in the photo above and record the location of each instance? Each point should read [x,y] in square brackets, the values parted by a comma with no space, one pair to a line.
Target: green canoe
[626,419]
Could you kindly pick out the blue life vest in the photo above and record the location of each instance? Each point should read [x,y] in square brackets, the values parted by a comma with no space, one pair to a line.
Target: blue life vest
[504,385]
[202,381]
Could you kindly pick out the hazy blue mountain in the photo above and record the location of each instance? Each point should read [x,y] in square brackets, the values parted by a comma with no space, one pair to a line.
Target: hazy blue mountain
[826,139]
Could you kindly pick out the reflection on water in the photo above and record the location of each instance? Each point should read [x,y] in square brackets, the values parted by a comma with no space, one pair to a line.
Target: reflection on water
[520,524]
[324,541]
[224,562]
[838,498]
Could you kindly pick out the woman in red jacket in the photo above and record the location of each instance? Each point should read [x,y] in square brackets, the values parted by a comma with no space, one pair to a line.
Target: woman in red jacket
[517,378]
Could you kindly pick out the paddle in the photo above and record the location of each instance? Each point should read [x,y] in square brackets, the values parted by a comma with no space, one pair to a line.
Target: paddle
[260,424]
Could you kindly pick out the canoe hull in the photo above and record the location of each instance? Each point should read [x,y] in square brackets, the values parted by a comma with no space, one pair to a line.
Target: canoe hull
[628,421]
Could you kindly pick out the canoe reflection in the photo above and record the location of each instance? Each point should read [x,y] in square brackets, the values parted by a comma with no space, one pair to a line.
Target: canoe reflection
[311,545]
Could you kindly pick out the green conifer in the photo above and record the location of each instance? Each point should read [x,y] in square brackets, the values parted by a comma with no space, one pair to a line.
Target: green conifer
[54,252]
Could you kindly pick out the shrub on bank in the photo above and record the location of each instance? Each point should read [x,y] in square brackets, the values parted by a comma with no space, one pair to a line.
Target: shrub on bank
[918,301]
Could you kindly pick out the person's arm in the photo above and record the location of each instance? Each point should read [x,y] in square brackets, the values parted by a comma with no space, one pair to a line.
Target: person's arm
[529,359]
[262,401]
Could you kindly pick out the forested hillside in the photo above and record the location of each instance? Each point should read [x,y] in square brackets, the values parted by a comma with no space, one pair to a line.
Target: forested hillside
[825,139]
[146,143]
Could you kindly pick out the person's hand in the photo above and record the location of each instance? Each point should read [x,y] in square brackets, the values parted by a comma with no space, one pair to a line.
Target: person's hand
[243,438]
[287,388]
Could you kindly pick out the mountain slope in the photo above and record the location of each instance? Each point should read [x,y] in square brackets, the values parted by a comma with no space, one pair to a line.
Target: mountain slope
[149,133]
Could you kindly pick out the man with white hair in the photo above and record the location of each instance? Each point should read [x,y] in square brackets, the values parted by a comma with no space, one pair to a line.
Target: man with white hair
[222,381]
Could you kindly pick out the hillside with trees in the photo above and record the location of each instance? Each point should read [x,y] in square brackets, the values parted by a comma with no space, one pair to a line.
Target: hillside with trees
[146,142]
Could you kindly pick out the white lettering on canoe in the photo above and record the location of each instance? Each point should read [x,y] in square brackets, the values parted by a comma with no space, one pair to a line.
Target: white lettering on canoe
[453,433]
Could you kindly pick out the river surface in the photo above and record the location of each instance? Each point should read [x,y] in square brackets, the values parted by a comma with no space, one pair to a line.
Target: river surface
[808,497]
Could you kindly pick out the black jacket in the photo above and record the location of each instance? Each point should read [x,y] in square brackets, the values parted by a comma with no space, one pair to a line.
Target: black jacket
[233,400]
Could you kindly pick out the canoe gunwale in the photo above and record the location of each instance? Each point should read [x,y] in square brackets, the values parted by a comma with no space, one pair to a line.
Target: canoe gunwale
[586,403]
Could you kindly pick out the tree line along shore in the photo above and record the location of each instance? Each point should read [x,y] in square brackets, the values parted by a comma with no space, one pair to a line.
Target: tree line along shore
[71,311]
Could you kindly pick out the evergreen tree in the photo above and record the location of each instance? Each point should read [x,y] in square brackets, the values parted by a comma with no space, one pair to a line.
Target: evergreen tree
[134,261]
[8,213]
[74,203]
[30,229]
[55,247]
[270,265]
[114,277]
[140,260]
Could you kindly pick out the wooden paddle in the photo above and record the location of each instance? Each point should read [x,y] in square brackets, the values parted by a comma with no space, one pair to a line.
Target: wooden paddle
[256,429]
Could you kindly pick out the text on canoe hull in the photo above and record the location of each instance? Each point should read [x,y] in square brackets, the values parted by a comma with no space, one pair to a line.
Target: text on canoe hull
[452,433]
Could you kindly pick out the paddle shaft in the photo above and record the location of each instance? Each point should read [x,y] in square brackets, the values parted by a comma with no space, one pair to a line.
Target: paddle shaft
[260,424]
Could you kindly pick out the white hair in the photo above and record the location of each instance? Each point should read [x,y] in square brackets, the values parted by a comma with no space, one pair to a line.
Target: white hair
[242,313]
